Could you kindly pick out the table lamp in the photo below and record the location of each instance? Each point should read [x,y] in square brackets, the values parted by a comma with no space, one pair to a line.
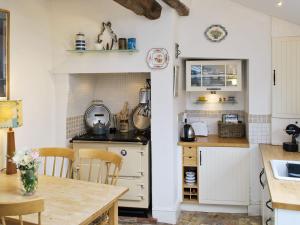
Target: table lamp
[10,117]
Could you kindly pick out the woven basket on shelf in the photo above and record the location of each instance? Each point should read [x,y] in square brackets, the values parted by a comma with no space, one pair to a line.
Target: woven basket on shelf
[231,130]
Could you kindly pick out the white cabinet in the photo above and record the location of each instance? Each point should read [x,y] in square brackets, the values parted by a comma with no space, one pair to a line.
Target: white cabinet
[286,77]
[224,176]
[217,75]
[267,212]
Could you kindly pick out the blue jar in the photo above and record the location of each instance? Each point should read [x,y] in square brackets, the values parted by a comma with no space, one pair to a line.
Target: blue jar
[131,43]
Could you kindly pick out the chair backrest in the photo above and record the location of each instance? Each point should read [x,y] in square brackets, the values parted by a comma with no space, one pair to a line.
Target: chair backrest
[111,162]
[64,153]
[21,208]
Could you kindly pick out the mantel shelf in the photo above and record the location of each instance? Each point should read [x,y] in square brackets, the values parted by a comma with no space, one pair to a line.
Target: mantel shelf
[103,51]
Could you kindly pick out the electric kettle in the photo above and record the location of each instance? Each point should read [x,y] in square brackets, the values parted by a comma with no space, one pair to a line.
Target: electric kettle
[187,132]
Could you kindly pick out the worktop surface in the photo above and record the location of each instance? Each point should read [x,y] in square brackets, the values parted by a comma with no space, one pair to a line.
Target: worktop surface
[284,194]
[216,141]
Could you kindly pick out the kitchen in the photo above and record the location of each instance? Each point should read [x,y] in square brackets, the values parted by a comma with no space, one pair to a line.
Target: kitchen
[65,81]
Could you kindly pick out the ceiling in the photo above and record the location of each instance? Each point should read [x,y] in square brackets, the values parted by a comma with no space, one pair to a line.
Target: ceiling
[290,9]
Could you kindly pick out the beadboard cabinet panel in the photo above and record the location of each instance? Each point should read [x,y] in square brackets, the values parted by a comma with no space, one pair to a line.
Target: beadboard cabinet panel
[286,77]
[224,176]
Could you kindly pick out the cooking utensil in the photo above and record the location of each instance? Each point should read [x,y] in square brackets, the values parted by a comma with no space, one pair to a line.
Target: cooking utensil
[97,118]
[141,118]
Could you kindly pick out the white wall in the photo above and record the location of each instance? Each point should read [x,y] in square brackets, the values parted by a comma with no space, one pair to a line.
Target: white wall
[31,62]
[248,38]
[71,16]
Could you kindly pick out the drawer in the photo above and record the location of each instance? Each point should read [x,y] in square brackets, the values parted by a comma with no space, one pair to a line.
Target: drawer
[190,160]
[190,151]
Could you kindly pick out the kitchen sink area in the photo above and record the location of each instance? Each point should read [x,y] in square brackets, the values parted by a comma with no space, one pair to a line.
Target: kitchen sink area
[286,170]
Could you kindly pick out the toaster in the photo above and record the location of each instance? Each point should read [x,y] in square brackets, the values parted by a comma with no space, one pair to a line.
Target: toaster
[200,128]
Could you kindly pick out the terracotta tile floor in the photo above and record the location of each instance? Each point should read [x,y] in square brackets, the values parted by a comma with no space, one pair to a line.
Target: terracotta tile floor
[197,218]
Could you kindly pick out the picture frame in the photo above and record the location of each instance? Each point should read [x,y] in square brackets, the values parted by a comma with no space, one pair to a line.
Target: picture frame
[5,55]
[216,33]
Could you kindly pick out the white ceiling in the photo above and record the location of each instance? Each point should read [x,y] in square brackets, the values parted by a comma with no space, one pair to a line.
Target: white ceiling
[290,10]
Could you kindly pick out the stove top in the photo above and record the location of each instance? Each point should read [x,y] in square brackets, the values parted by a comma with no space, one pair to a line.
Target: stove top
[131,136]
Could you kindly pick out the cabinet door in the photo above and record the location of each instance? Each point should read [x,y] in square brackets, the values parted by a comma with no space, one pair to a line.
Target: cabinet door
[224,176]
[222,75]
[286,77]
[132,160]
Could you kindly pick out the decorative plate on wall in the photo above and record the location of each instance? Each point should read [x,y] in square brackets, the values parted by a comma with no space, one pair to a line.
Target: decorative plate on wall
[216,33]
[158,58]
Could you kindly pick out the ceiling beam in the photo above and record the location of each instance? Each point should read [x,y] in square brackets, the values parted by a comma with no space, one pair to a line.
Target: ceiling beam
[181,8]
[151,9]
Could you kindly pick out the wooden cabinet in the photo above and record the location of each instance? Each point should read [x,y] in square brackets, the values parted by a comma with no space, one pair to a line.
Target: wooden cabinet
[224,176]
[214,75]
[286,77]
[190,164]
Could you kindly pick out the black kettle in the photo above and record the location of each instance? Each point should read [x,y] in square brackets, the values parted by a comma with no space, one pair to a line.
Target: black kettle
[187,132]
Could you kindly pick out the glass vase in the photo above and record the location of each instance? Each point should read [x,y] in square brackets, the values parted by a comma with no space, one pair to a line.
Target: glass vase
[29,181]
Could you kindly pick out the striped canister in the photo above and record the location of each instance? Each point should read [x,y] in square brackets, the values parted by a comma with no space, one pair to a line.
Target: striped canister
[80,44]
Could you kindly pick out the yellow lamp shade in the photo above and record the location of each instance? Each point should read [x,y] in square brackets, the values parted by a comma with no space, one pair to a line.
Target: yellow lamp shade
[11,114]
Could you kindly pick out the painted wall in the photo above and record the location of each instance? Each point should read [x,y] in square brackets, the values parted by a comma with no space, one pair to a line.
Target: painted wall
[31,62]
[71,16]
[248,38]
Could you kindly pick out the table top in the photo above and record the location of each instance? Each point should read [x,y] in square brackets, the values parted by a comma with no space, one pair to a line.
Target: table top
[216,141]
[68,202]
[284,194]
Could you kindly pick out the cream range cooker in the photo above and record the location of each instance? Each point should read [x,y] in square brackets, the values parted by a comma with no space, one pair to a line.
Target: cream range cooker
[135,171]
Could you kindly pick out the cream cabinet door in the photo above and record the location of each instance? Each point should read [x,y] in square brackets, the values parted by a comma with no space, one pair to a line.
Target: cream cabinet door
[286,77]
[132,160]
[135,192]
[224,176]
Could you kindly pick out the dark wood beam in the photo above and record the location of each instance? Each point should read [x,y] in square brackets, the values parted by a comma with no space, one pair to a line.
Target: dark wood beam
[148,8]
[181,8]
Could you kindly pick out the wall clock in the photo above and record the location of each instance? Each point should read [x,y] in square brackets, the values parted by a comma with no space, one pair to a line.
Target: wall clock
[216,33]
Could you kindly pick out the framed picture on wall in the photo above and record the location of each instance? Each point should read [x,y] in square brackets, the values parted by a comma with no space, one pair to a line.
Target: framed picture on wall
[4,54]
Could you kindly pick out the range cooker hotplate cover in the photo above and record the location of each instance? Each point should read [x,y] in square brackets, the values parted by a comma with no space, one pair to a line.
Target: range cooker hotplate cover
[131,136]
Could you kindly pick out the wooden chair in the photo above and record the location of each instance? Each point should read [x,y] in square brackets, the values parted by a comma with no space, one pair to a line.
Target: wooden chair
[19,209]
[64,153]
[112,161]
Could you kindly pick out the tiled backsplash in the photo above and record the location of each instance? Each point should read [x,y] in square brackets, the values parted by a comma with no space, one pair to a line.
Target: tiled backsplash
[258,127]
[75,126]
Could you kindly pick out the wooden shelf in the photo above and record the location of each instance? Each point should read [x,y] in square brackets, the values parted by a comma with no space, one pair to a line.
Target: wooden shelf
[191,201]
[192,194]
[190,185]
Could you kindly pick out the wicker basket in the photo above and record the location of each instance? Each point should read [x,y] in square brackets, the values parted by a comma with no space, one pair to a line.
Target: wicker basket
[231,130]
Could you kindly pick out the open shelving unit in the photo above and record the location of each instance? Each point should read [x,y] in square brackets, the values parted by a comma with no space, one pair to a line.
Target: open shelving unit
[190,192]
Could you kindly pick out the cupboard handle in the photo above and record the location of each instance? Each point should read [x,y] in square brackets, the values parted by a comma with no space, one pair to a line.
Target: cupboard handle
[200,158]
[274,77]
[269,207]
[268,221]
[260,176]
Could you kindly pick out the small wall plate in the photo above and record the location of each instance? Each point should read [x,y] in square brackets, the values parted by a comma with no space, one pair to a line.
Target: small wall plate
[158,58]
[216,33]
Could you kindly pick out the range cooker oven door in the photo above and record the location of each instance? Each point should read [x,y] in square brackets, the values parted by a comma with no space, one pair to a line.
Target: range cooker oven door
[136,189]
[132,160]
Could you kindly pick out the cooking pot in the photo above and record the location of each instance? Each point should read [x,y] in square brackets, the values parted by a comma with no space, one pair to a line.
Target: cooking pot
[97,118]
[141,117]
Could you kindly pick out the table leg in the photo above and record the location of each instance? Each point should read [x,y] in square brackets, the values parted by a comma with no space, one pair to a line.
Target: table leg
[113,214]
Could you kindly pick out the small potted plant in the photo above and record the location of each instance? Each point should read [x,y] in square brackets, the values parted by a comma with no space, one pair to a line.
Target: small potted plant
[27,162]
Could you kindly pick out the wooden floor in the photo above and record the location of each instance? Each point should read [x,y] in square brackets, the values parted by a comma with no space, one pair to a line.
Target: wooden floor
[196,218]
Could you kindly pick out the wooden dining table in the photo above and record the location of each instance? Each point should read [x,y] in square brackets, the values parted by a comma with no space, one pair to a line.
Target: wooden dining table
[67,201]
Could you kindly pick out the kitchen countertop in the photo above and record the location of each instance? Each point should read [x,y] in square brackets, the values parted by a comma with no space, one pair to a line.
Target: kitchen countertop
[216,141]
[284,194]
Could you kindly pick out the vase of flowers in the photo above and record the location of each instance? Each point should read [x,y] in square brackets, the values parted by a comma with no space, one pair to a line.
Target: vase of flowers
[27,162]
